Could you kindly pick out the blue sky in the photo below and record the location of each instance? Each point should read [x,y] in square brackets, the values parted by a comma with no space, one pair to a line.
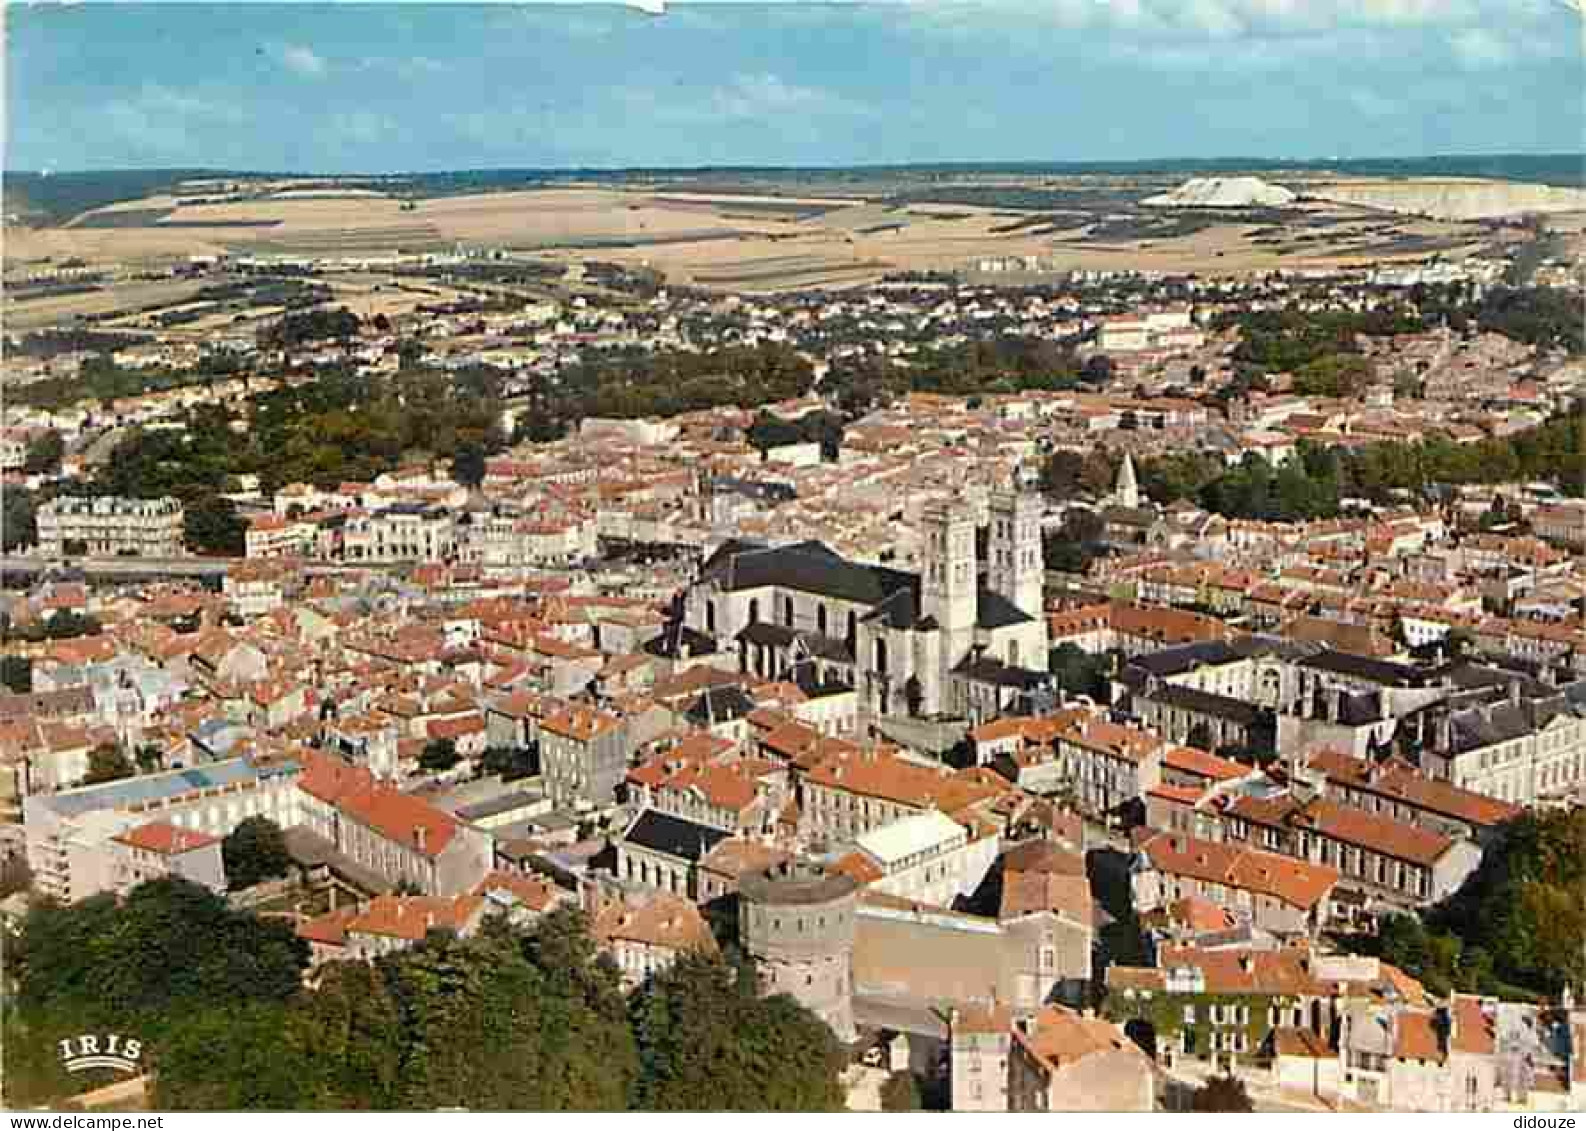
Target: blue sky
[403,87]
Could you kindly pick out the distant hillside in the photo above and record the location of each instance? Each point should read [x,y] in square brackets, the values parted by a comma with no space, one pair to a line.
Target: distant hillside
[43,199]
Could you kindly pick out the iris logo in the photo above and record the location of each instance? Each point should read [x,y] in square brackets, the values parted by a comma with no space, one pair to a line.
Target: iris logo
[90,1050]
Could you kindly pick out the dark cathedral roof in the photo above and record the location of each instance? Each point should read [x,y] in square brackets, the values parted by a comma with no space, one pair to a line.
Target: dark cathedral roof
[810,567]
[814,567]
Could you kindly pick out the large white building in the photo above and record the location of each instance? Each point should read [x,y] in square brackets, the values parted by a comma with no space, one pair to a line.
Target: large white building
[110,526]
[945,642]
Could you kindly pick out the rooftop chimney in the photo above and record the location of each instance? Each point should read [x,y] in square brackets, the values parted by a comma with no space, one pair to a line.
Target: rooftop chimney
[420,834]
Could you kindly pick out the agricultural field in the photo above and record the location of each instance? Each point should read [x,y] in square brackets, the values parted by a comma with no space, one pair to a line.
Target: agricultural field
[765,236]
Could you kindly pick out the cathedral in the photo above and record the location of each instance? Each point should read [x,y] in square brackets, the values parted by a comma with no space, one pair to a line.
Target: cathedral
[961,639]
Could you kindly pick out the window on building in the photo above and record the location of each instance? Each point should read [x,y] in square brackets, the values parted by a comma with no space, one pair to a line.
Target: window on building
[787,611]
[754,610]
[820,619]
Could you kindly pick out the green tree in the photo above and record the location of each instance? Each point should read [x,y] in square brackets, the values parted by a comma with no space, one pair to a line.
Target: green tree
[509,762]
[356,1028]
[1333,375]
[16,672]
[18,524]
[1080,673]
[15,875]
[255,851]
[214,527]
[439,755]
[901,1092]
[44,454]
[108,762]
[241,1056]
[708,1042]
[1222,1093]
[96,958]
[65,624]
[468,465]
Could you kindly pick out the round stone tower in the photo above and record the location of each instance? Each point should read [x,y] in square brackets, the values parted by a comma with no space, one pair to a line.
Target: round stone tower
[796,920]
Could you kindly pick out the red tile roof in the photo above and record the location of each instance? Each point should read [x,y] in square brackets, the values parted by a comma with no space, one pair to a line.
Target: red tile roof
[1298,883]
[397,816]
[166,839]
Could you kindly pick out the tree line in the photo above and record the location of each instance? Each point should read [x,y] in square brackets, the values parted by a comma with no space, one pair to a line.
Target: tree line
[342,427]
[1312,483]
[509,1019]
[1517,927]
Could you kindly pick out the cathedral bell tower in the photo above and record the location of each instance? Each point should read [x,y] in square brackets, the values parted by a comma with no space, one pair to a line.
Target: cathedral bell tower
[1016,568]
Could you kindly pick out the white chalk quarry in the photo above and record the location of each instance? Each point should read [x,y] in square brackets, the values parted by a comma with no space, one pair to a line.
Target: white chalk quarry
[1223,192]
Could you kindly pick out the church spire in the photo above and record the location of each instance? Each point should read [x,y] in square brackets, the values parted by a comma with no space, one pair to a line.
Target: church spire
[1126,493]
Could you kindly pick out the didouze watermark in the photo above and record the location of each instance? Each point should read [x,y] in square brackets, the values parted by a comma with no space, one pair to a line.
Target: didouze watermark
[94,1050]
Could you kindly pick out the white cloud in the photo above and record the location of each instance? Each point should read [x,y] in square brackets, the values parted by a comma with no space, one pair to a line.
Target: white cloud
[159,121]
[303,61]
[1479,47]
[763,95]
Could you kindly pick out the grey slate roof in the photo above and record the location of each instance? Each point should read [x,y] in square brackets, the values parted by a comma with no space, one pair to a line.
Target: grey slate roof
[1204,703]
[672,836]
[809,567]
[1364,667]
[780,636]
[1185,657]
[986,669]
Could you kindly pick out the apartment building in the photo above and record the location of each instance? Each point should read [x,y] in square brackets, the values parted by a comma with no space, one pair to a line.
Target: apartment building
[402,532]
[583,756]
[1060,1060]
[1106,765]
[1264,889]
[159,849]
[110,526]
[386,924]
[645,935]
[70,834]
[927,857]
[398,836]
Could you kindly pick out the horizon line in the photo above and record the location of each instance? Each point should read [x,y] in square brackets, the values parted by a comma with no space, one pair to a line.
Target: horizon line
[773,167]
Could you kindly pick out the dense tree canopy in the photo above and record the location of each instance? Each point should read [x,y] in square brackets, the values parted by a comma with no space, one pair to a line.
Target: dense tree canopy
[1313,482]
[169,948]
[304,326]
[505,1020]
[108,762]
[18,523]
[821,428]
[1288,340]
[1075,543]
[707,1042]
[1007,363]
[1080,673]
[439,755]
[44,454]
[16,672]
[1067,474]
[254,851]
[1517,926]
[665,383]
[1222,1093]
